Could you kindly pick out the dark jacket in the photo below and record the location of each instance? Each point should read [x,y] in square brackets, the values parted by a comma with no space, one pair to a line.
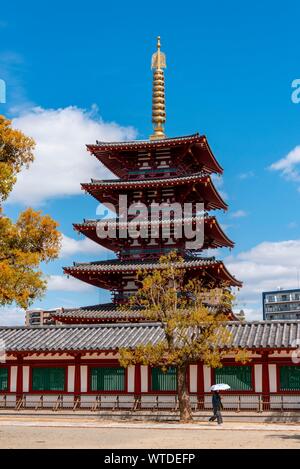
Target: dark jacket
[216,402]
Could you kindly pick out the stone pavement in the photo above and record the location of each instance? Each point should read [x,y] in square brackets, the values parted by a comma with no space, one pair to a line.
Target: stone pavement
[95,432]
[36,421]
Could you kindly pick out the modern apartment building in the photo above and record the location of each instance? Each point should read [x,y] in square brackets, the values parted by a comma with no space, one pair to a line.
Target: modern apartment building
[40,317]
[281,304]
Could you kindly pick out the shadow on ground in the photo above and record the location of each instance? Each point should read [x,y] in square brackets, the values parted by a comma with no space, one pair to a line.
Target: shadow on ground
[294,436]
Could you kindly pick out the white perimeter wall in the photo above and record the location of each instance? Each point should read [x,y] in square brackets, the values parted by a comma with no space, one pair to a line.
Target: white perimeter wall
[83,378]
[25,378]
[71,378]
[193,373]
[193,378]
[130,379]
[144,378]
[207,378]
[258,378]
[13,378]
[273,378]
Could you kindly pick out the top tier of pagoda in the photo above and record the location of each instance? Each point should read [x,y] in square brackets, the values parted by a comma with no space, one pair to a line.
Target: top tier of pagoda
[166,157]
[159,171]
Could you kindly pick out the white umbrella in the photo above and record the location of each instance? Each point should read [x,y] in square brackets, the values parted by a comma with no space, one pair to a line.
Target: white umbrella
[220,387]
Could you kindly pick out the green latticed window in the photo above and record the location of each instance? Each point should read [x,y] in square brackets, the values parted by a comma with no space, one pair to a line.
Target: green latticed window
[107,379]
[239,378]
[48,379]
[290,378]
[164,381]
[3,379]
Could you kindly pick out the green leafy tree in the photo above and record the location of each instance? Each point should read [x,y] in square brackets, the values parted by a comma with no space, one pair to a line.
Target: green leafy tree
[193,320]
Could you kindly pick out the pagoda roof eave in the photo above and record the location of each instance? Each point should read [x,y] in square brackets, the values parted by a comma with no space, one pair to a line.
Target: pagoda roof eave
[101,189]
[112,154]
[118,266]
[100,273]
[94,314]
[109,313]
[128,183]
[140,144]
[227,241]
[214,232]
[218,167]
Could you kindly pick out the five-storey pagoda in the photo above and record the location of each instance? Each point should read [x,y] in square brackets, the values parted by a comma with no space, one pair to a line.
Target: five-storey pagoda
[151,173]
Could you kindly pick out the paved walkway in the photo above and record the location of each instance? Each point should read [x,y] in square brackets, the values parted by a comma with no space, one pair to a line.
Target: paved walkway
[75,433]
[36,421]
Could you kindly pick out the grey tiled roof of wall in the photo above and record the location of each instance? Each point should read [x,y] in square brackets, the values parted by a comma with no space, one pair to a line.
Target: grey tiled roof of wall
[108,310]
[252,335]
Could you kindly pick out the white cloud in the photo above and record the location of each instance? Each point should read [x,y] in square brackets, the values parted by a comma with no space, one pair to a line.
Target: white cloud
[12,316]
[250,314]
[238,214]
[71,246]
[289,166]
[61,159]
[12,66]
[66,284]
[292,225]
[267,266]
[218,181]
[246,175]
[285,253]
[225,226]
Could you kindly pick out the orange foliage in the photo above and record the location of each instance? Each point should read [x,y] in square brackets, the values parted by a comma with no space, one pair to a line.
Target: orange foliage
[33,239]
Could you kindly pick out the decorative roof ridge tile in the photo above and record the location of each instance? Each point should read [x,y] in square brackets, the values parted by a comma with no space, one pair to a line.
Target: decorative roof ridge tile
[97,305]
[147,142]
[130,182]
[140,324]
[119,263]
[205,217]
[81,326]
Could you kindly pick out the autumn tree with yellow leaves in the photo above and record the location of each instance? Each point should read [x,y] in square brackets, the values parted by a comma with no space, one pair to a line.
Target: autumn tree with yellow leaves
[193,320]
[33,238]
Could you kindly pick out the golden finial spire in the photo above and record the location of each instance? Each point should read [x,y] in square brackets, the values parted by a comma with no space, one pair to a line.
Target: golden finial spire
[158,63]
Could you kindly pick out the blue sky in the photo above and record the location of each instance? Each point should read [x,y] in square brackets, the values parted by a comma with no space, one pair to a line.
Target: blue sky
[86,67]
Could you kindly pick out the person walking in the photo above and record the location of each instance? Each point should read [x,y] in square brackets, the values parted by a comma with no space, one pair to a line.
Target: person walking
[217,407]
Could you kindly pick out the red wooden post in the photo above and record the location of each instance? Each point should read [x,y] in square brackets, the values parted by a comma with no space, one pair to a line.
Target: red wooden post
[137,380]
[200,384]
[19,390]
[77,377]
[265,381]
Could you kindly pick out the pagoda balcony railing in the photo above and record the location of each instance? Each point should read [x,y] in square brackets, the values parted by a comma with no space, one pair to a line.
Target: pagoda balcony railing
[151,171]
[120,221]
[118,297]
[257,403]
[132,252]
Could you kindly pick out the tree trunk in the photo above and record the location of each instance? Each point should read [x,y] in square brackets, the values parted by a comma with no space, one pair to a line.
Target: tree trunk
[183,395]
